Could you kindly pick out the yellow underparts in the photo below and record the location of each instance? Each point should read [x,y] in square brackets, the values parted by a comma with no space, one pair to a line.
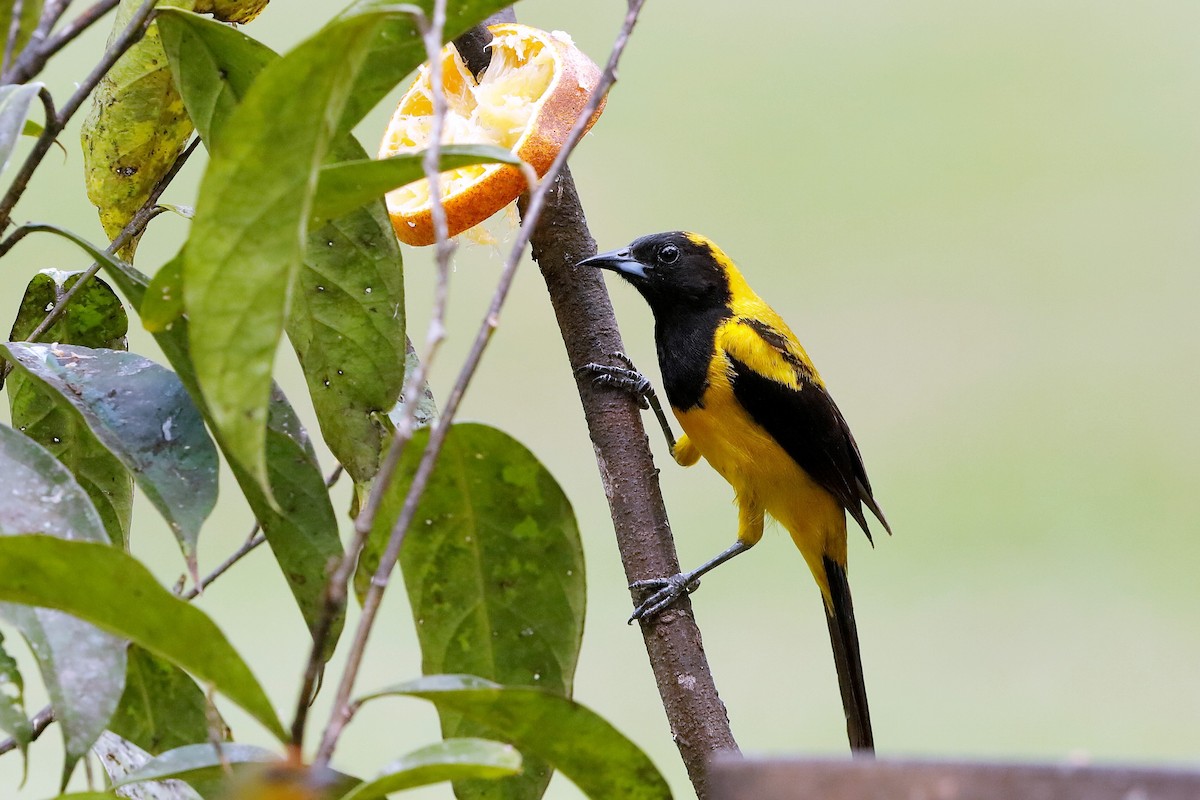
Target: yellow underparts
[765,478]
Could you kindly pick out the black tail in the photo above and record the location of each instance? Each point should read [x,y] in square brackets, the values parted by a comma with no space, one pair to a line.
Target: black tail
[844,636]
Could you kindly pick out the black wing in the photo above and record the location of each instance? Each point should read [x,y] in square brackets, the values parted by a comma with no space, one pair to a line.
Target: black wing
[809,427]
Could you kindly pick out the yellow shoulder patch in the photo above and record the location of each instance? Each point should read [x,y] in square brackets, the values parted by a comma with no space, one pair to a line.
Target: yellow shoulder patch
[767,350]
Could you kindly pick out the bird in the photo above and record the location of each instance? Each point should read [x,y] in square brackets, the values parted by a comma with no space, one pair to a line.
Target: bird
[752,404]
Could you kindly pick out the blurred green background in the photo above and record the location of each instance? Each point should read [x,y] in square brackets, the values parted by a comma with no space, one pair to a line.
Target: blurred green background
[981,220]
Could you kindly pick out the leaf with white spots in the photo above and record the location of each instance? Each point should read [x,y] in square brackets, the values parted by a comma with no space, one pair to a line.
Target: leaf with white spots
[94,318]
[82,667]
[346,319]
[141,412]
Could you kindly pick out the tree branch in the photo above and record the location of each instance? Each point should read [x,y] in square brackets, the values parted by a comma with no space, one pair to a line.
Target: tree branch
[14,28]
[699,723]
[128,36]
[33,57]
[343,708]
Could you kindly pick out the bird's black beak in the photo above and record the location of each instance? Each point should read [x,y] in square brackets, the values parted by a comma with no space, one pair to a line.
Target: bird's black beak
[620,261]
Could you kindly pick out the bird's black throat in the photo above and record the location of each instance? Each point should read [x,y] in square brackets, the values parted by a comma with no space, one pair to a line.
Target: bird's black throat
[684,338]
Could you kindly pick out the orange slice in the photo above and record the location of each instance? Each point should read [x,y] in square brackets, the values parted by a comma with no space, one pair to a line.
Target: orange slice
[527,100]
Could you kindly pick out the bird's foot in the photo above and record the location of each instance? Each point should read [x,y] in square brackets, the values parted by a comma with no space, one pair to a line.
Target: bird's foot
[664,593]
[626,378]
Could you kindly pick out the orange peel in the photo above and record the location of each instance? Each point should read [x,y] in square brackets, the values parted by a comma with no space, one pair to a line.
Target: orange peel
[527,100]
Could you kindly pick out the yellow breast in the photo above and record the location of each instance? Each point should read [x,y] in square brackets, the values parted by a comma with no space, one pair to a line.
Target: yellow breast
[764,476]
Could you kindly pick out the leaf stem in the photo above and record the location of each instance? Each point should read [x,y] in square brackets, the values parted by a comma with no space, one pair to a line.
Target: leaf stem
[343,707]
[253,540]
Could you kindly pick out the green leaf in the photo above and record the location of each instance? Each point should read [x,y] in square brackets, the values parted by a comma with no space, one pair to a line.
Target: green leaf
[495,534]
[346,321]
[83,668]
[346,325]
[208,770]
[494,570]
[213,66]
[162,707]
[114,591]
[14,107]
[198,764]
[570,737]
[88,796]
[248,238]
[303,534]
[347,185]
[450,760]
[41,494]
[141,412]
[13,719]
[95,318]
[135,130]
[163,303]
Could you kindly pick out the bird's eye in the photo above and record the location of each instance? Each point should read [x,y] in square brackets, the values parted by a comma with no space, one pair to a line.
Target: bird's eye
[669,254]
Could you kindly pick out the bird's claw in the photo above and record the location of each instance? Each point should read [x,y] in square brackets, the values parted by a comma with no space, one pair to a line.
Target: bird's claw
[664,593]
[625,378]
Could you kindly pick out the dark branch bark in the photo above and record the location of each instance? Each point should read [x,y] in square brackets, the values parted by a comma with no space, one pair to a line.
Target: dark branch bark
[699,723]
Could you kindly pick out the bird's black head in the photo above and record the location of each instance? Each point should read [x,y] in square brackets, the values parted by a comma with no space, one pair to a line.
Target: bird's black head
[673,271]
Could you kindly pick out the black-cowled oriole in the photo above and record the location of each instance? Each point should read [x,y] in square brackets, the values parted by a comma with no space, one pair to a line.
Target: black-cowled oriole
[752,404]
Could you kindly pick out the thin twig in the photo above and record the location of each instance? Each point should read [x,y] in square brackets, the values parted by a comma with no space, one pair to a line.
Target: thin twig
[253,540]
[256,538]
[52,10]
[27,67]
[14,29]
[131,34]
[343,708]
[431,28]
[137,223]
[40,722]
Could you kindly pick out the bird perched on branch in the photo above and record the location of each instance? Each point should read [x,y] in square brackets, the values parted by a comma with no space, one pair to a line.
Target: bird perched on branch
[752,404]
